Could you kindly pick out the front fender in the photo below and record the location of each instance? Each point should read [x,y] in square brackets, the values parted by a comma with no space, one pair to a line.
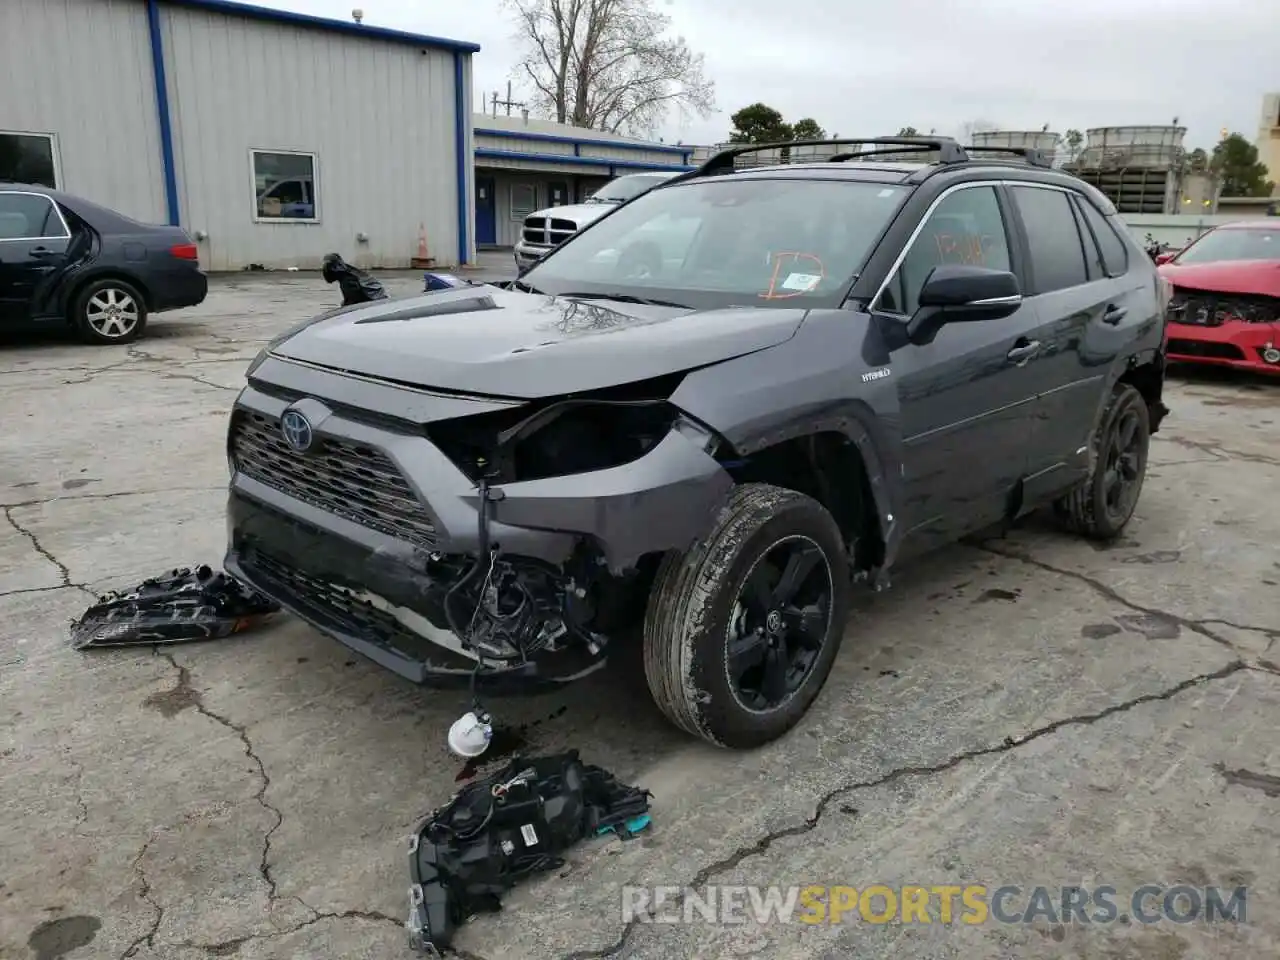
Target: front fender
[812,383]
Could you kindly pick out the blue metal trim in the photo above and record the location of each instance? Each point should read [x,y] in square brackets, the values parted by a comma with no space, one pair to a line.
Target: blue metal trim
[580,141]
[482,152]
[324,23]
[162,109]
[460,118]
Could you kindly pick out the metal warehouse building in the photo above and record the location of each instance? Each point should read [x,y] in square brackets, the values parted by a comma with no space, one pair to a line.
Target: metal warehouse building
[271,137]
[524,165]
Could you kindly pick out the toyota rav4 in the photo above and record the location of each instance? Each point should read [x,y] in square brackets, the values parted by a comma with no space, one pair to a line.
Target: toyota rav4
[700,446]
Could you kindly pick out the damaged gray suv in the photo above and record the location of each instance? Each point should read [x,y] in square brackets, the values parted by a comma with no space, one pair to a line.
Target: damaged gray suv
[699,421]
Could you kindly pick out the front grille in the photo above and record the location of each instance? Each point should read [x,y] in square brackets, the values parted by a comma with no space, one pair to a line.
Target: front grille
[548,231]
[1198,309]
[347,479]
[1203,348]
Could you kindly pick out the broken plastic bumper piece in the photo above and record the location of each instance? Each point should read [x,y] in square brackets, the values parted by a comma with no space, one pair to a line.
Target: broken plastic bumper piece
[196,603]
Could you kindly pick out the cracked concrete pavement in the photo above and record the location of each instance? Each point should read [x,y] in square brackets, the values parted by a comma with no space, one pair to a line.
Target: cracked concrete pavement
[1028,710]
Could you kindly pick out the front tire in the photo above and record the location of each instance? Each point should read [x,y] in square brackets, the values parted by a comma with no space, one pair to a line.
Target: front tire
[1104,502]
[109,311]
[741,631]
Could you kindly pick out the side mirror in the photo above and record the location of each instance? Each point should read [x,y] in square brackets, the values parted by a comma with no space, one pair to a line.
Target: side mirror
[955,293]
[1163,258]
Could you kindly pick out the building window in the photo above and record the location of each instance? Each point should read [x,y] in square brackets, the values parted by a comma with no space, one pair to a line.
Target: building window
[284,186]
[28,158]
[524,200]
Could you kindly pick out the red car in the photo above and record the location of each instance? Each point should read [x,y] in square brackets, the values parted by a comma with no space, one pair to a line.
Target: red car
[1225,303]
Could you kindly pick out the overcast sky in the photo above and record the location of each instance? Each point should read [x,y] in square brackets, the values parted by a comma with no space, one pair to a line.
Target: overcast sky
[866,68]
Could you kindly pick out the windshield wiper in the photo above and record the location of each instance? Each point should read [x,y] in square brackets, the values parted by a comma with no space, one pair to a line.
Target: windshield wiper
[627,298]
[521,285]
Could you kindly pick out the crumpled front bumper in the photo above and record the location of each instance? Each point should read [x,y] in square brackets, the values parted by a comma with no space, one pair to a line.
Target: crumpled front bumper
[371,590]
[1245,346]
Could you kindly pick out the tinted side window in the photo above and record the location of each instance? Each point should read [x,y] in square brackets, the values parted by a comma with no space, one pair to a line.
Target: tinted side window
[1115,256]
[25,216]
[966,227]
[1057,256]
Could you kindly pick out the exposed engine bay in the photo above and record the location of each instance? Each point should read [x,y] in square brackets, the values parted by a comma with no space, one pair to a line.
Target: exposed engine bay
[510,608]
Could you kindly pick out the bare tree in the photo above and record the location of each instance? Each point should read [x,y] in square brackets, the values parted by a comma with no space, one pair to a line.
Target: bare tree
[608,64]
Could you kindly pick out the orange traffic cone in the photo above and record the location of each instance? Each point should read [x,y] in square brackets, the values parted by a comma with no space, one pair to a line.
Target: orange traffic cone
[423,258]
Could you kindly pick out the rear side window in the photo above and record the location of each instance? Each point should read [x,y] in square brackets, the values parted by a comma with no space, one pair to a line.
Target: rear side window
[1115,256]
[1057,255]
[29,216]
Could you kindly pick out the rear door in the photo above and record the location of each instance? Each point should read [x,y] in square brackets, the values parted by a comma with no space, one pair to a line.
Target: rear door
[33,251]
[965,398]
[1084,320]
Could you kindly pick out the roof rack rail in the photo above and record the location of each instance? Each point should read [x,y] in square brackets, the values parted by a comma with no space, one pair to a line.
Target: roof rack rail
[1032,155]
[722,162]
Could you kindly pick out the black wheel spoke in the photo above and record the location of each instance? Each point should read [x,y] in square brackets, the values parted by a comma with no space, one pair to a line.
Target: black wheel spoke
[773,684]
[806,625]
[757,593]
[746,653]
[804,558]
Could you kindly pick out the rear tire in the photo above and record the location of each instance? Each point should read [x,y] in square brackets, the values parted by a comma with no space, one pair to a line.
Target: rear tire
[1104,502]
[109,311]
[719,606]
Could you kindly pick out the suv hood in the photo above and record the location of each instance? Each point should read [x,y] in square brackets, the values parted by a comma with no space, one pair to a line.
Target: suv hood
[1227,276]
[503,343]
[579,213]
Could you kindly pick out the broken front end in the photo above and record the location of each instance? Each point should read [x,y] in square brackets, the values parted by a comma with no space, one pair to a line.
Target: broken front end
[454,538]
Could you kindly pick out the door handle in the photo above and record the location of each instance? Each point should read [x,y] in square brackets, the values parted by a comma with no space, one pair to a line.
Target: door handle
[1023,351]
[40,253]
[1114,314]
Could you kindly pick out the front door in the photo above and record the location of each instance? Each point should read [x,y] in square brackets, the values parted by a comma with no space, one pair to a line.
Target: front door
[33,251]
[558,193]
[486,212]
[964,397]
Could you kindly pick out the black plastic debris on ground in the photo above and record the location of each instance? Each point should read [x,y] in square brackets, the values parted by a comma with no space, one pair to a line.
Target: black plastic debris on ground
[356,285]
[513,824]
[195,603]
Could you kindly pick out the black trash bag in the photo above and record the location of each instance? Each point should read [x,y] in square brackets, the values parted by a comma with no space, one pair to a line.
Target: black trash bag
[508,826]
[356,285]
[186,604]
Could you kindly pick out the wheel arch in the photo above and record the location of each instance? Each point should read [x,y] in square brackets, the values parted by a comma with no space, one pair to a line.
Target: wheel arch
[76,285]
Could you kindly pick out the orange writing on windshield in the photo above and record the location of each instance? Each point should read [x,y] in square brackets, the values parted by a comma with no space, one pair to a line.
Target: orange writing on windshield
[812,267]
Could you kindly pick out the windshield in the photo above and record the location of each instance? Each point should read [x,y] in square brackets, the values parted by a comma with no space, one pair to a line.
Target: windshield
[727,242]
[1233,244]
[624,188]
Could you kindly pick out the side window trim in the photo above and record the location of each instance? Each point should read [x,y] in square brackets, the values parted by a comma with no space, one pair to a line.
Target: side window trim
[1005,213]
[66,230]
[1095,264]
[1084,204]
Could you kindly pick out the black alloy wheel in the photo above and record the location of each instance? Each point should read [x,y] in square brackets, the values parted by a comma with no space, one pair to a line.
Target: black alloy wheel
[1125,457]
[779,624]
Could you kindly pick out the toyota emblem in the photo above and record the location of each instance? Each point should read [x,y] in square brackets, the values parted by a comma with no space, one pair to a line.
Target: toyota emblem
[296,430]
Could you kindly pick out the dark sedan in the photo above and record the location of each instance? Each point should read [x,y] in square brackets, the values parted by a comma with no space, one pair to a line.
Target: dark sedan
[66,260]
